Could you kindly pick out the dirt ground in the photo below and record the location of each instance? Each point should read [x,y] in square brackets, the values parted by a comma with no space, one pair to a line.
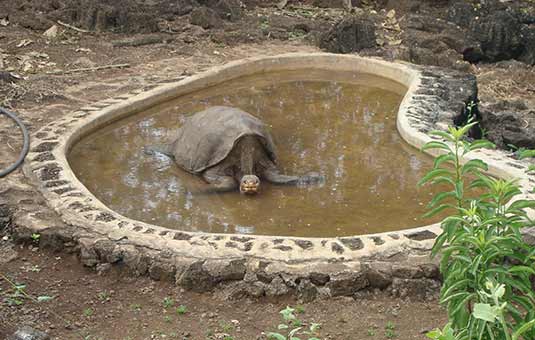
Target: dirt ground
[117,307]
[114,306]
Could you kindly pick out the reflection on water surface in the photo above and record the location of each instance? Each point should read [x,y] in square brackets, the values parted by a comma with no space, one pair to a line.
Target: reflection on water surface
[344,128]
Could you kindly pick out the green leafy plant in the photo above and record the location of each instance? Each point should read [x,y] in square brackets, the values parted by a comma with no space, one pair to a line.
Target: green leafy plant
[35,238]
[88,312]
[292,327]
[168,302]
[181,310]
[390,330]
[481,246]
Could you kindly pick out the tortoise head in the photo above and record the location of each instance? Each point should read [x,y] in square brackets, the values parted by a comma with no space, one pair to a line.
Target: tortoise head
[249,184]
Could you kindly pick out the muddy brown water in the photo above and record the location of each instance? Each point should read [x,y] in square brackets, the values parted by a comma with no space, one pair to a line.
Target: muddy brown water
[344,128]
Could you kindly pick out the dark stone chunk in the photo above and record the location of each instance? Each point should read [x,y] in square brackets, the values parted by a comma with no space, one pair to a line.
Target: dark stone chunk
[337,248]
[44,157]
[508,123]
[45,146]
[230,244]
[105,217]
[347,284]
[118,16]
[499,35]
[76,206]
[378,240]
[63,190]
[206,18]
[28,333]
[196,278]
[122,224]
[138,228]
[41,135]
[319,279]
[528,42]
[241,239]
[331,3]
[248,246]
[462,13]
[182,236]
[5,215]
[421,235]
[53,184]
[283,248]
[306,291]
[304,244]
[354,243]
[278,241]
[351,34]
[50,172]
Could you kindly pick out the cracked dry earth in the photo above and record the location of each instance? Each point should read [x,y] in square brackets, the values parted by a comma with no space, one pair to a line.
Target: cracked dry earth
[109,305]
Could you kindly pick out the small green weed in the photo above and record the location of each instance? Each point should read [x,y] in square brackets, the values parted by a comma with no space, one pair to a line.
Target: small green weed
[181,310]
[168,302]
[88,312]
[293,327]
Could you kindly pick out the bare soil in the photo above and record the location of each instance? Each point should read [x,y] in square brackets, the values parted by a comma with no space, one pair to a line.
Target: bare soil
[115,306]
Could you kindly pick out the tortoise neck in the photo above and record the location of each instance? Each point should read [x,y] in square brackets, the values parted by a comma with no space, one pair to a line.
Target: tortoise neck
[247,148]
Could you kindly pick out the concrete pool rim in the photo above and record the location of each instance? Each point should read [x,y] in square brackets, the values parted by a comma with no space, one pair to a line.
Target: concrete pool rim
[433,99]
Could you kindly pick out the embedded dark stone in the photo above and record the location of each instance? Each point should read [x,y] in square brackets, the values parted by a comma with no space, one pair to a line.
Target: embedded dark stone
[44,157]
[53,184]
[75,206]
[346,284]
[162,271]
[50,172]
[242,239]
[63,190]
[306,291]
[499,35]
[337,248]
[105,217]
[45,146]
[421,235]
[379,275]
[206,18]
[508,123]
[283,248]
[304,244]
[137,228]
[351,34]
[182,236]
[149,231]
[230,244]
[5,215]
[319,279]
[352,243]
[196,278]
[462,13]
[248,246]
[528,42]
[377,240]
[41,135]
[278,241]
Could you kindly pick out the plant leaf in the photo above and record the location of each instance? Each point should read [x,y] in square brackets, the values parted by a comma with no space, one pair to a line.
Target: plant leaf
[485,312]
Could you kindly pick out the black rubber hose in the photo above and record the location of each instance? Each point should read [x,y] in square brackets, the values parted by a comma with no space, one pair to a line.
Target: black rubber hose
[25,147]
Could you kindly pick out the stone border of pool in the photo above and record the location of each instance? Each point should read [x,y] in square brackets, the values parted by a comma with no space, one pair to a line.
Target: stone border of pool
[250,264]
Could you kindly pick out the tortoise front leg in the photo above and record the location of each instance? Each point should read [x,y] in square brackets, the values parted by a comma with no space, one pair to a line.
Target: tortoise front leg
[219,183]
[273,175]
